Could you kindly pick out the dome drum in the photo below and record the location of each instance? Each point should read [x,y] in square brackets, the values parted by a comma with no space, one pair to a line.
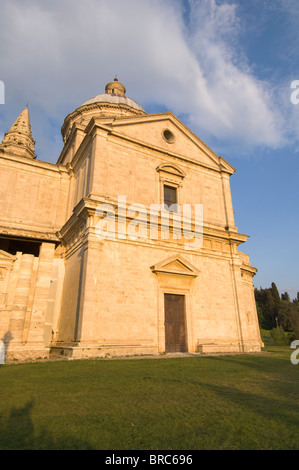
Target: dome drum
[113,103]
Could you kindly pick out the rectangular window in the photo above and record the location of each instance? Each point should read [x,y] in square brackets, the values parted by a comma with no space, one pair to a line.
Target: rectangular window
[170,196]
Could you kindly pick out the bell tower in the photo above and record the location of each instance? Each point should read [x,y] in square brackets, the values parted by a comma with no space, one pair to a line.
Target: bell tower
[19,140]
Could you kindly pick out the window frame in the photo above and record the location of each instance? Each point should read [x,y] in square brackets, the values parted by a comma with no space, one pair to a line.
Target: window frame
[170,175]
[167,205]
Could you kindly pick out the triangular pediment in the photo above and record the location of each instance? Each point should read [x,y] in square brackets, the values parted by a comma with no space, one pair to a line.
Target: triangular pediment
[175,265]
[6,261]
[165,132]
[5,256]
[171,169]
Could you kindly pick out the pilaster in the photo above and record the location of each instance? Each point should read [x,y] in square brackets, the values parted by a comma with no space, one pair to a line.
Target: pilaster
[41,295]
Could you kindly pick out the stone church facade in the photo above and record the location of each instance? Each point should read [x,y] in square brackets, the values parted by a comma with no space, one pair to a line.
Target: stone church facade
[83,270]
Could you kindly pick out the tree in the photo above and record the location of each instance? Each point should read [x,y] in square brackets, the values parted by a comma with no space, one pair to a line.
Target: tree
[284,315]
[269,307]
[260,315]
[275,312]
[275,293]
[286,297]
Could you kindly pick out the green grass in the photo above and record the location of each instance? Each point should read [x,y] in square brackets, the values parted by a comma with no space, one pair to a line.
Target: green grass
[227,402]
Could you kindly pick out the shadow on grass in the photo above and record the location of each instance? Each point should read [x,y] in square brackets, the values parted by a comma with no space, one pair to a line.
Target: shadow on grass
[262,361]
[284,409]
[17,432]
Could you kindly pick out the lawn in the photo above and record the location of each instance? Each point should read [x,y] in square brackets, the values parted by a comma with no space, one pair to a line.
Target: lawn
[226,402]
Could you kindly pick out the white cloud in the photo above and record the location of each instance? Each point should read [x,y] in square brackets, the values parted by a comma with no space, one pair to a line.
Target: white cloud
[240,106]
[55,55]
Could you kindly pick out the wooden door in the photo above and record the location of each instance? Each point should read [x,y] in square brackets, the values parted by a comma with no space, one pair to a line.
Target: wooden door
[175,335]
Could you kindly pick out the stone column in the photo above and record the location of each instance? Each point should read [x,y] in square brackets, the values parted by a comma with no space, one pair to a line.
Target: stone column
[238,295]
[21,298]
[41,295]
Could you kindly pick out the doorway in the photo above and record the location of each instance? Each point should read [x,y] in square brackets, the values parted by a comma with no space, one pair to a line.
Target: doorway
[175,330]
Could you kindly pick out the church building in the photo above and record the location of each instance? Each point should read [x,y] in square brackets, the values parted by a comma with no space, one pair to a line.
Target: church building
[126,246]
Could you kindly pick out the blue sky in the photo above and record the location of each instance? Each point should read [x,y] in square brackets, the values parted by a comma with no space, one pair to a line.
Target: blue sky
[225,68]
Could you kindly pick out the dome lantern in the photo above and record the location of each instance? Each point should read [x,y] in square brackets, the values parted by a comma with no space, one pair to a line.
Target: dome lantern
[115,87]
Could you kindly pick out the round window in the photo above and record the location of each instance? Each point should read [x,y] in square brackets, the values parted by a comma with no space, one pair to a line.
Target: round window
[168,136]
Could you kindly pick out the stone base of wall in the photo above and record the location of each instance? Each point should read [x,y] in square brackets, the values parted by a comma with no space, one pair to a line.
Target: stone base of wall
[209,348]
[79,352]
[253,347]
[26,353]
[19,353]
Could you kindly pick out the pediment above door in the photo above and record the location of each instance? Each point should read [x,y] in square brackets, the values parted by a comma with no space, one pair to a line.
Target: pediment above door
[175,265]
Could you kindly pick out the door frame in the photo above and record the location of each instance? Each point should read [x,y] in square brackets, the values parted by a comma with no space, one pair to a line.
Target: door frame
[162,290]
[176,275]
[184,321]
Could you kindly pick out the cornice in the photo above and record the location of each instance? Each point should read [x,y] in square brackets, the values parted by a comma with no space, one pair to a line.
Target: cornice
[22,233]
[40,164]
[87,207]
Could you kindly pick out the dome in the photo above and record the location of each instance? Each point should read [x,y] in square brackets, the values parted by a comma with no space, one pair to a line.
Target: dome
[111,104]
[115,94]
[114,98]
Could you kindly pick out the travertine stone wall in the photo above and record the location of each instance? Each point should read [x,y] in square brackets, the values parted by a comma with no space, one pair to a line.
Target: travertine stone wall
[26,303]
[54,300]
[122,300]
[120,170]
[41,294]
[21,298]
[71,297]
[33,196]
